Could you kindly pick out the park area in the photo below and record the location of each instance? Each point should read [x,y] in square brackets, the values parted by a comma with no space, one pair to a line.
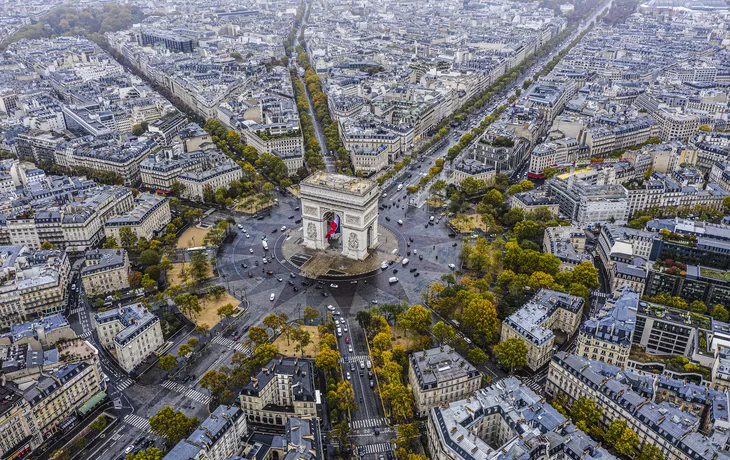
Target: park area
[253,204]
[208,316]
[192,238]
[178,273]
[290,349]
[398,336]
[466,223]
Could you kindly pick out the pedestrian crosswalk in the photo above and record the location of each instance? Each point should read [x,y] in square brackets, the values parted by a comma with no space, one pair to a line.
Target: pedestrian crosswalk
[174,386]
[368,423]
[599,294]
[195,395]
[85,335]
[76,310]
[124,384]
[375,448]
[117,403]
[229,343]
[357,358]
[137,422]
[534,386]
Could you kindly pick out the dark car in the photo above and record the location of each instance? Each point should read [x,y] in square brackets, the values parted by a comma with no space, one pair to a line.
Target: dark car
[413,270]
[410,238]
[256,263]
[455,244]
[305,283]
[372,383]
[260,218]
[426,225]
[452,234]
[291,217]
[318,287]
[296,289]
[395,270]
[387,218]
[250,275]
[298,221]
[416,275]
[325,294]
[420,256]
[297,208]
[291,283]
[275,230]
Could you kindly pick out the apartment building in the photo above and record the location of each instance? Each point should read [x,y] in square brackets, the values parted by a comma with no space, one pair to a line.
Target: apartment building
[440,376]
[607,336]
[507,420]
[282,389]
[219,175]
[150,215]
[558,152]
[38,146]
[121,158]
[219,437]
[168,127]
[534,322]
[473,169]
[586,204]
[533,200]
[294,161]
[279,137]
[34,283]
[369,161]
[676,124]
[663,330]
[48,405]
[159,171]
[567,244]
[643,401]
[131,333]
[105,271]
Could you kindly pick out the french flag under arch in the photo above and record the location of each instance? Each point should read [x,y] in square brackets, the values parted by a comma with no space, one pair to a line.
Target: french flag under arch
[334,227]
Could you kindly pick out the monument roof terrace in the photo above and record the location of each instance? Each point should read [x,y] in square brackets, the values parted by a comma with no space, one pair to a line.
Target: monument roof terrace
[341,183]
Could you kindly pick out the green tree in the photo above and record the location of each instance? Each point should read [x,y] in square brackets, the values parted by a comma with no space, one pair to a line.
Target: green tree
[382,342]
[720,313]
[416,318]
[400,400]
[200,265]
[128,238]
[110,243]
[649,452]
[586,273]
[328,340]
[134,278]
[167,363]
[98,424]
[341,432]
[614,432]
[215,382]
[226,311]
[628,442]
[408,435]
[258,335]
[363,318]
[327,359]
[172,425]
[346,396]
[443,332]
[188,304]
[310,314]
[698,306]
[151,453]
[511,353]
[46,246]
[480,318]
[476,356]
[273,321]
[264,353]
[148,284]
[303,338]
[184,350]
[149,258]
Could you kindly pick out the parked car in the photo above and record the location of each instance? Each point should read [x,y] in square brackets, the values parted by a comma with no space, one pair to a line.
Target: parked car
[272,296]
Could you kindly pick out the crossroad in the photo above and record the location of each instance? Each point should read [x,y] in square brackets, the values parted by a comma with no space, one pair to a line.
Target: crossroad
[138,422]
[124,384]
[195,395]
[233,345]
[368,423]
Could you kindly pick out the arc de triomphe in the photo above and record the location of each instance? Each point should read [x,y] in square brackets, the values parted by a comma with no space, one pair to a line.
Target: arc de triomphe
[353,199]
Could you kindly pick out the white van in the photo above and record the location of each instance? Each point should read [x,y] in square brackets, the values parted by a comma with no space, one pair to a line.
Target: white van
[431,219]
[400,222]
[392,280]
[400,187]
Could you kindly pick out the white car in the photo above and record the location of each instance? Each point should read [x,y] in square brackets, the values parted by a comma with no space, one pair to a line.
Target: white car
[272,297]
[330,307]
[349,347]
[344,328]
[283,228]
[348,376]
[452,266]
[333,285]
[248,236]
[240,227]
[415,252]
[250,250]
[266,261]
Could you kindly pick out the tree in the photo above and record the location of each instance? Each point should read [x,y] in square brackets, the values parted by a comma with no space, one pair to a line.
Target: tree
[480,318]
[258,335]
[184,350]
[200,265]
[148,284]
[188,304]
[698,306]
[363,318]
[614,432]
[511,353]
[408,435]
[128,238]
[585,414]
[327,359]
[328,340]
[310,314]
[628,442]
[98,424]
[443,332]
[586,273]
[476,356]
[303,339]
[720,313]
[391,310]
[273,321]
[215,382]
[149,257]
[417,318]
[134,278]
[167,363]
[110,243]
[382,342]
[172,425]
[400,400]
[226,311]
[649,452]
[341,432]
[152,453]
[47,246]
[264,353]
[346,396]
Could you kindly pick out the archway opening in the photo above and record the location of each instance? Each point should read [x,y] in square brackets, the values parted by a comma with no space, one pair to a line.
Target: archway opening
[333,230]
[369,236]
